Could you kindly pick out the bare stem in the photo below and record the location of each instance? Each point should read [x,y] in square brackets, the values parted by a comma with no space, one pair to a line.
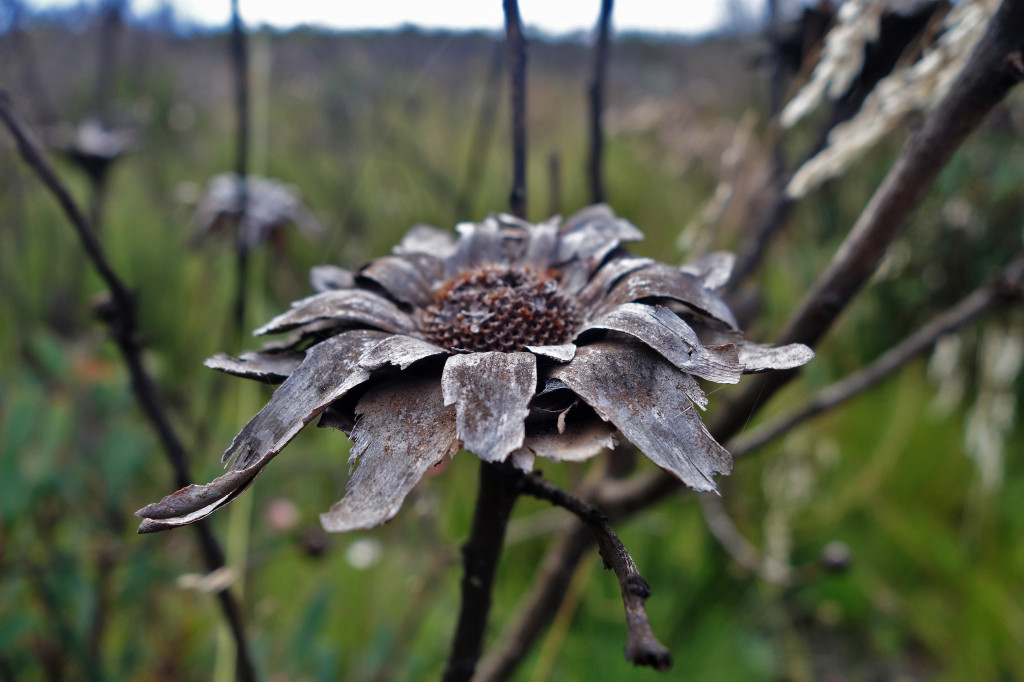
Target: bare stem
[240,69]
[642,647]
[517,79]
[596,99]
[498,490]
[538,606]
[120,315]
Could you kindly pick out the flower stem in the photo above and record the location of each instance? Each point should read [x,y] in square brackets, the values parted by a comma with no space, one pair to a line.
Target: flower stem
[498,490]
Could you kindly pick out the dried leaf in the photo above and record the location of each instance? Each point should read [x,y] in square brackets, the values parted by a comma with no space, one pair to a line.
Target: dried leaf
[646,398]
[604,279]
[270,367]
[587,237]
[665,332]
[403,428]
[664,281]
[757,358]
[409,278]
[583,435]
[330,277]
[479,244]
[491,393]
[426,239]
[561,353]
[342,306]
[713,268]
[330,370]
[399,350]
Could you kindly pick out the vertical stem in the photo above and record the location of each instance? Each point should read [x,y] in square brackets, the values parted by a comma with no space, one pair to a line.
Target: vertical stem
[105,78]
[596,97]
[517,80]
[499,487]
[240,66]
[554,183]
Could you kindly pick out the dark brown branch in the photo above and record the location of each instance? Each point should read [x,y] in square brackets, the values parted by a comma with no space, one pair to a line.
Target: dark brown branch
[517,85]
[984,82]
[538,606]
[498,490]
[1008,284]
[642,647]
[240,69]
[120,314]
[595,97]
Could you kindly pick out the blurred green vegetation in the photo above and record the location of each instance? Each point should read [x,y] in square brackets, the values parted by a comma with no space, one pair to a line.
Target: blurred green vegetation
[377,131]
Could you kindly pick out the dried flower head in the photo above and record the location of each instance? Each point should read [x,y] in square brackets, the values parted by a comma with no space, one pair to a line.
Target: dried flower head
[271,206]
[91,145]
[511,341]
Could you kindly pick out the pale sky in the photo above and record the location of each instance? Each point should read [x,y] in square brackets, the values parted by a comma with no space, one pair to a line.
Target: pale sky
[553,16]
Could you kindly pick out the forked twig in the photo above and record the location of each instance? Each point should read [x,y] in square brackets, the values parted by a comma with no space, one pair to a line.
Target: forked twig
[120,315]
[642,647]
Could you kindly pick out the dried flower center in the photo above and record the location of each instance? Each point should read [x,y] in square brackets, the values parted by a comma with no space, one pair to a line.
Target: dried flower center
[498,308]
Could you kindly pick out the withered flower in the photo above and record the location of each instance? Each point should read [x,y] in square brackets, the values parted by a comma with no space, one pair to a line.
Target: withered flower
[91,145]
[512,340]
[271,206]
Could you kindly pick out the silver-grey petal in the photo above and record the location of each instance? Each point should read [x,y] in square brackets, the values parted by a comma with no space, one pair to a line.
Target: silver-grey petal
[754,357]
[491,393]
[604,279]
[329,277]
[345,306]
[271,367]
[586,238]
[403,428]
[645,396]
[563,352]
[479,244]
[665,332]
[581,439]
[664,281]
[399,350]
[713,268]
[409,278]
[541,246]
[426,239]
[522,459]
[757,358]
[329,371]
[194,502]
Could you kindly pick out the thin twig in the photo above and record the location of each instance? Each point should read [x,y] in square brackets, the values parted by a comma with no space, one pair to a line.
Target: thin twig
[497,493]
[724,529]
[517,83]
[120,315]
[642,647]
[1007,284]
[595,94]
